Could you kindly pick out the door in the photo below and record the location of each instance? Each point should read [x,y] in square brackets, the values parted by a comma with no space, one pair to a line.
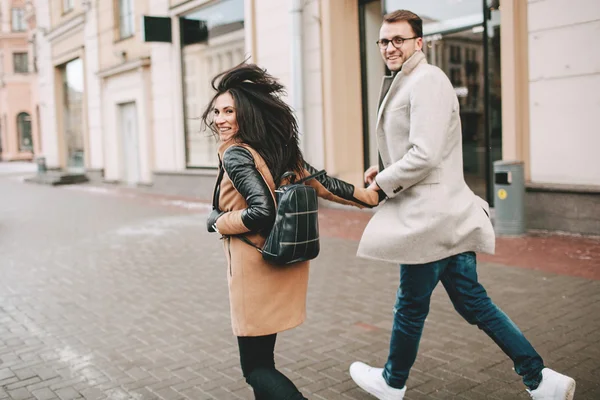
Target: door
[130,159]
[72,77]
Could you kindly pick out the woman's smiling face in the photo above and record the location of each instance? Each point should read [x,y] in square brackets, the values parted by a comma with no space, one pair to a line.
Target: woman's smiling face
[225,117]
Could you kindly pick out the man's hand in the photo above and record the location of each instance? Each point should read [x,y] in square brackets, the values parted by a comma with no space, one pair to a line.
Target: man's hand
[374,186]
[371,173]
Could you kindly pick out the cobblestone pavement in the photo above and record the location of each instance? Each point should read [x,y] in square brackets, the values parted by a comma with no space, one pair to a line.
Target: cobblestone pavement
[125,297]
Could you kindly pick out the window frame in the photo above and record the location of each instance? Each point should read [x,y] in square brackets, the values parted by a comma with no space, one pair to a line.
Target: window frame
[67,6]
[124,14]
[17,55]
[22,26]
[21,120]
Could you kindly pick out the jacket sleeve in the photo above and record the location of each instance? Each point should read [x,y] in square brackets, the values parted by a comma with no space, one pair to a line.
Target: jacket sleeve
[247,180]
[432,103]
[336,190]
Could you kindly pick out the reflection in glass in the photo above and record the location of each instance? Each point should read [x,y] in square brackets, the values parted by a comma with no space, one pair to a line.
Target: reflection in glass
[372,69]
[223,50]
[495,99]
[72,77]
[24,131]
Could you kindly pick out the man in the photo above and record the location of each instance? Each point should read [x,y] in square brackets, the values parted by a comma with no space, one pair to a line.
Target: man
[432,223]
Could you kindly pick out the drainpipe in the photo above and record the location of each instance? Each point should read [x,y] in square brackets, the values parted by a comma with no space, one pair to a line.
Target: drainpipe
[297,70]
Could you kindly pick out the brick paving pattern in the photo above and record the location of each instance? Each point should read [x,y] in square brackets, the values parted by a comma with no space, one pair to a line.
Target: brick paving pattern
[125,297]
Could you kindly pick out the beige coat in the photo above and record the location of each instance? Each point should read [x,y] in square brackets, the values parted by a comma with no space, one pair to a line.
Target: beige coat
[264,298]
[431,213]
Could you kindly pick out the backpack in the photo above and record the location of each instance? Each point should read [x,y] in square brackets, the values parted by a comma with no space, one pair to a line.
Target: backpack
[294,236]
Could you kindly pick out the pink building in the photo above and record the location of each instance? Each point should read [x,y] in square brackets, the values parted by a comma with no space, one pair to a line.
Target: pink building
[18,122]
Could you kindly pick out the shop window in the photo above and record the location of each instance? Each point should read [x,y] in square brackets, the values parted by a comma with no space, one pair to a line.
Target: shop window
[24,130]
[20,63]
[212,42]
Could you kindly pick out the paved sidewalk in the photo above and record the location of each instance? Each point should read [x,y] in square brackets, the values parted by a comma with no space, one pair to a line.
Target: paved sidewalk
[109,296]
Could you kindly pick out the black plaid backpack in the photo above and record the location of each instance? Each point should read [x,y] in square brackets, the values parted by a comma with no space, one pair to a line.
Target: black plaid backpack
[295,233]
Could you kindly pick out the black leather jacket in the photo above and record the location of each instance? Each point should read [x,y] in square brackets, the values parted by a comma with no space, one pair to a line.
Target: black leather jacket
[260,213]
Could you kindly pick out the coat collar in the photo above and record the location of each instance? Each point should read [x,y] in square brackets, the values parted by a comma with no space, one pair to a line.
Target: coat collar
[391,82]
[225,145]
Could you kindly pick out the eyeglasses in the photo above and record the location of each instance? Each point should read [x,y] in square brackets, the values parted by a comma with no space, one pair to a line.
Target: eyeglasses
[397,42]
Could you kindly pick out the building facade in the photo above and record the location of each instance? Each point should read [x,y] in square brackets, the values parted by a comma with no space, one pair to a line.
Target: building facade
[127,80]
[19,134]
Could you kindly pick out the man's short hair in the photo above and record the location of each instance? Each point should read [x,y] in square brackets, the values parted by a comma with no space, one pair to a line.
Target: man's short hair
[415,22]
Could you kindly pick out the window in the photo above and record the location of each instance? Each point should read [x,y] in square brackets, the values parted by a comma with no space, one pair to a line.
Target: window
[213,41]
[18,20]
[24,129]
[67,5]
[20,63]
[126,28]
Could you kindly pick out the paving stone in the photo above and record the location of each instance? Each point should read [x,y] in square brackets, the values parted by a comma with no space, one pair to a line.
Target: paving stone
[110,297]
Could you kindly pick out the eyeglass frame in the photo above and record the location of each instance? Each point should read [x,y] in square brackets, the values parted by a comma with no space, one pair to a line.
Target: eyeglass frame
[392,42]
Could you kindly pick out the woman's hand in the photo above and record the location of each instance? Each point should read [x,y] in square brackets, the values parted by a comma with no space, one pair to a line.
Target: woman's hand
[211,222]
[368,197]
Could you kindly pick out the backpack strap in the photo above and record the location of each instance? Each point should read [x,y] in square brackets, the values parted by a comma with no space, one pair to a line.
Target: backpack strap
[313,176]
[244,239]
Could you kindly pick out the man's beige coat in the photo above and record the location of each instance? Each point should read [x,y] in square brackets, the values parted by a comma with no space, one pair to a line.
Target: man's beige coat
[431,213]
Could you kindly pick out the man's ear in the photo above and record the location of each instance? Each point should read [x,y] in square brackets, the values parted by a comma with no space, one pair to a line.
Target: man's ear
[419,43]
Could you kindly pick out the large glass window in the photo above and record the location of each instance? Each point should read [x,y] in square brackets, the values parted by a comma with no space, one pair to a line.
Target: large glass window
[24,130]
[126,19]
[18,20]
[212,42]
[72,77]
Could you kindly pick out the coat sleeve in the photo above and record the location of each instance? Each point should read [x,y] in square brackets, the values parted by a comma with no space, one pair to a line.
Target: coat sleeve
[432,103]
[338,191]
[259,214]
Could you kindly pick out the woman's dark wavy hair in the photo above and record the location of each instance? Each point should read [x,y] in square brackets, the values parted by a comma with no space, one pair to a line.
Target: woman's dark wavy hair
[266,123]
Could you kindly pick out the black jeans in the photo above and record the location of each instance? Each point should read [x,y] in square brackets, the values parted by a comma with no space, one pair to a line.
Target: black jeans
[258,367]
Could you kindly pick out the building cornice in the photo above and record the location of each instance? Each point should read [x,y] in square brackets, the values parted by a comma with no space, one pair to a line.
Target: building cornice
[126,67]
[66,28]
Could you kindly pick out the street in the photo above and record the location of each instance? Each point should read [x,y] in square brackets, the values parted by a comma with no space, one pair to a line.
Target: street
[110,296]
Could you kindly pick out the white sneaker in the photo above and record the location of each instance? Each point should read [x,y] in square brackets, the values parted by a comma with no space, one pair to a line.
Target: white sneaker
[554,386]
[370,380]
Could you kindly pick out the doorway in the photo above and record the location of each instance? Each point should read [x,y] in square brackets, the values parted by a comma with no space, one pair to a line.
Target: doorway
[73,116]
[130,159]
[372,71]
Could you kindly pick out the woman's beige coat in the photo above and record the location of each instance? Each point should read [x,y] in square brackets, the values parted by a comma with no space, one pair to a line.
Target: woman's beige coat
[264,298]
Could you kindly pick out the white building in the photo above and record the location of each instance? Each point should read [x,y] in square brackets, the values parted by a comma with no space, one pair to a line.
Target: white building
[528,84]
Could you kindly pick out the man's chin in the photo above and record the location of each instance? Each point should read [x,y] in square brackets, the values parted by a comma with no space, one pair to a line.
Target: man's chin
[394,67]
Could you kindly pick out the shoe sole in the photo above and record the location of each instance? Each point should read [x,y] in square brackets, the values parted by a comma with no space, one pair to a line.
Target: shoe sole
[363,386]
[570,391]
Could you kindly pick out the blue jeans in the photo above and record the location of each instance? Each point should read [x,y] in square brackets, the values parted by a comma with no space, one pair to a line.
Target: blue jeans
[459,277]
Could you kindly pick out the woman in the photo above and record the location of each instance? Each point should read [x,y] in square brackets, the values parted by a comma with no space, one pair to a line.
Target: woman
[258,144]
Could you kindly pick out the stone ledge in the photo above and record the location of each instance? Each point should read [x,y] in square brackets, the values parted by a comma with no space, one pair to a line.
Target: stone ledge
[562,188]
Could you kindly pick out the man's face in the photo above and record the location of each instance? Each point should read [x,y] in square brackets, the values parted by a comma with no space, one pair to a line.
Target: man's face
[395,57]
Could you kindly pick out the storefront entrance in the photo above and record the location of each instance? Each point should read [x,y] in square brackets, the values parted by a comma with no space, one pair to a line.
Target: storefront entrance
[457,40]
